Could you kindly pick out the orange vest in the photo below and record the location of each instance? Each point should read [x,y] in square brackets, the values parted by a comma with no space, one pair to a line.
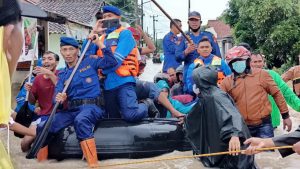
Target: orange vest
[130,65]
[216,61]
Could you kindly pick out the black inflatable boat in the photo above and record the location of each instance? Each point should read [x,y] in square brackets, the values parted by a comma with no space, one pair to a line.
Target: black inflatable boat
[116,138]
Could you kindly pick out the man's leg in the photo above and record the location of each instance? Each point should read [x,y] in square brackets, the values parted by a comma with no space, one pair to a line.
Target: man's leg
[266,130]
[60,121]
[111,104]
[130,109]
[84,124]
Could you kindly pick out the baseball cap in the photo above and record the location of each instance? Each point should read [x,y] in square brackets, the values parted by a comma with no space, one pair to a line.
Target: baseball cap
[194,14]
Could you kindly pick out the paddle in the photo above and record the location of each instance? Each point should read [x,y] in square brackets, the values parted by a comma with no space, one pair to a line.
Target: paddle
[40,139]
[25,115]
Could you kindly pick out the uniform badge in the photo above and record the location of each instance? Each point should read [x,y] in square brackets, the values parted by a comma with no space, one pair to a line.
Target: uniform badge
[88,80]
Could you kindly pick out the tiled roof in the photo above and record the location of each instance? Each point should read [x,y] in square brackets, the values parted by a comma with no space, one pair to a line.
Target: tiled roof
[78,11]
[57,28]
[223,30]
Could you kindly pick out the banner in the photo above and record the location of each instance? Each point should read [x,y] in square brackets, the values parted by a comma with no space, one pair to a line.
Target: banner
[29,33]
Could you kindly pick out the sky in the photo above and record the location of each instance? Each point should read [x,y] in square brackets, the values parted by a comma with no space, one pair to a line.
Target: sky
[209,10]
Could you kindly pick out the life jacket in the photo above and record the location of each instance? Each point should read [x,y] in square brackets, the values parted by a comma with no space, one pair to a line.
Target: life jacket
[216,61]
[130,65]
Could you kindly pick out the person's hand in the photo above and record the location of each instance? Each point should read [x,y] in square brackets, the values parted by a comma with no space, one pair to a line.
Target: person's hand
[287,123]
[61,97]
[41,70]
[98,28]
[37,110]
[178,115]
[191,47]
[234,145]
[296,147]
[95,39]
[28,86]
[255,143]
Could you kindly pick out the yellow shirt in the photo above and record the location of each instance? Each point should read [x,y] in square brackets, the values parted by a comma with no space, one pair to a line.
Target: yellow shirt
[5,85]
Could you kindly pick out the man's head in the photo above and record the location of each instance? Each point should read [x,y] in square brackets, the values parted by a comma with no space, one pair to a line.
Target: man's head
[11,31]
[194,21]
[173,27]
[257,61]
[50,60]
[172,74]
[204,47]
[238,59]
[69,50]
[179,73]
[111,12]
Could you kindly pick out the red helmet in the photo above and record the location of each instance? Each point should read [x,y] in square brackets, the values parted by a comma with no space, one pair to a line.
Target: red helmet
[237,52]
[135,33]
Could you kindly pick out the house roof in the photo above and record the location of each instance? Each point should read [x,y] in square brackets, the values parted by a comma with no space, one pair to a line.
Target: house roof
[223,30]
[57,28]
[78,11]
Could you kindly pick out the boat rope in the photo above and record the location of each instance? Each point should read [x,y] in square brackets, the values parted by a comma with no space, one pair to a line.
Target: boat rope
[191,156]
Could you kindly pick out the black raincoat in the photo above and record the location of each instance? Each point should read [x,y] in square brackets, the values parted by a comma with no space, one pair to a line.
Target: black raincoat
[213,121]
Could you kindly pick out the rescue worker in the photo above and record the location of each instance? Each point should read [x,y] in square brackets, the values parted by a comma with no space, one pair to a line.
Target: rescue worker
[170,41]
[41,91]
[249,88]
[81,97]
[258,61]
[292,138]
[187,52]
[293,74]
[205,57]
[119,82]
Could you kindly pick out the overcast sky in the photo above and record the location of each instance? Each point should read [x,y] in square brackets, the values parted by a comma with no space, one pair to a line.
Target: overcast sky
[209,9]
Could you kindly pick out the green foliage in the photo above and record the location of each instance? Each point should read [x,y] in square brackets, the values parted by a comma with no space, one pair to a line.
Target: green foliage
[269,26]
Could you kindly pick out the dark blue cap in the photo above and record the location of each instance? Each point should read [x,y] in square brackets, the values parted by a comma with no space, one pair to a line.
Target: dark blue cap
[67,41]
[112,9]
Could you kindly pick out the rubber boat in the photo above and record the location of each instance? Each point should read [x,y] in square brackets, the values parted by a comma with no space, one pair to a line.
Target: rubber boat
[116,138]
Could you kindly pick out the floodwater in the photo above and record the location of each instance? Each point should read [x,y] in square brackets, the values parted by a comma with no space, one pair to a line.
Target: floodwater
[267,160]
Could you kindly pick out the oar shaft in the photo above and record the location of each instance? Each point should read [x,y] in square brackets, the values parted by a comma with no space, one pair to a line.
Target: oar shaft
[173,22]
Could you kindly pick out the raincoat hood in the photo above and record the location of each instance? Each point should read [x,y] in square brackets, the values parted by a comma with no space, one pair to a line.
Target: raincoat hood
[205,77]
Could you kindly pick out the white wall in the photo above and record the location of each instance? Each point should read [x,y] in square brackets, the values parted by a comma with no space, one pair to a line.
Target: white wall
[54,46]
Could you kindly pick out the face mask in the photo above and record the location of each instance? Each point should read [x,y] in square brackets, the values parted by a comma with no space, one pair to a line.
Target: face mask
[239,66]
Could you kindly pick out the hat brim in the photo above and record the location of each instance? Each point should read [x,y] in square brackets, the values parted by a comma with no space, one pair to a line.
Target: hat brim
[195,17]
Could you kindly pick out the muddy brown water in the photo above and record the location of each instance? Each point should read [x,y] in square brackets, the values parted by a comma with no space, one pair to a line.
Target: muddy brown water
[266,160]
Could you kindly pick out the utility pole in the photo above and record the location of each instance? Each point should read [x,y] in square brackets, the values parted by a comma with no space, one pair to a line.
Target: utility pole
[154,20]
[136,12]
[189,10]
[142,16]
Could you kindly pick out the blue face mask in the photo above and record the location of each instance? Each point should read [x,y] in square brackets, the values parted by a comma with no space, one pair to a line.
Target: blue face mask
[239,66]
[111,29]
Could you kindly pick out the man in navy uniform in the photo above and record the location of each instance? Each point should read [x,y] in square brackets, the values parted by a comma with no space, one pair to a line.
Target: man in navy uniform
[187,52]
[81,97]
[170,42]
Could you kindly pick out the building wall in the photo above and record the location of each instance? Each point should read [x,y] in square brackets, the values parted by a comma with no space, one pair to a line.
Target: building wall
[54,46]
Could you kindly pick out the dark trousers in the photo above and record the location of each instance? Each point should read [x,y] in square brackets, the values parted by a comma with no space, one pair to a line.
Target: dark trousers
[263,130]
[122,102]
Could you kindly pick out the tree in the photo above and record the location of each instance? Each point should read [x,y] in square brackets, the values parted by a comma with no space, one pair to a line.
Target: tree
[269,26]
